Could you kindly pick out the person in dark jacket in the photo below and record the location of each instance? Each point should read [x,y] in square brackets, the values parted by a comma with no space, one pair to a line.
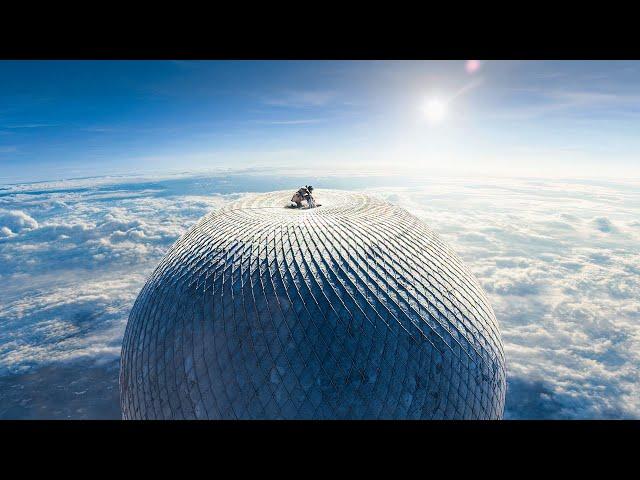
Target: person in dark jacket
[311,202]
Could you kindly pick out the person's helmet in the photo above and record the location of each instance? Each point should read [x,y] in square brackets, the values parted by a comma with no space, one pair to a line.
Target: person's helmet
[310,188]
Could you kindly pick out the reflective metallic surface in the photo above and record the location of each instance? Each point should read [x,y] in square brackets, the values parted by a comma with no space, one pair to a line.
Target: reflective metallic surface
[355,309]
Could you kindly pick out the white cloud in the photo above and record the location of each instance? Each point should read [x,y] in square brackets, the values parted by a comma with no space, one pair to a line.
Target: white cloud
[72,259]
[300,98]
[552,102]
[300,121]
[66,322]
[16,221]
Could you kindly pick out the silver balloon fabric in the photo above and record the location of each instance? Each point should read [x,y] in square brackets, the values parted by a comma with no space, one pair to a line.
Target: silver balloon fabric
[352,310]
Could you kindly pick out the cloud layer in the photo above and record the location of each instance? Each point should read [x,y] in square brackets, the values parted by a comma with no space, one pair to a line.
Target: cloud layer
[71,276]
[559,261]
[561,265]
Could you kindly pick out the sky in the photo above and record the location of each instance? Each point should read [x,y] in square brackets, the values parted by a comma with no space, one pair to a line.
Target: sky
[67,119]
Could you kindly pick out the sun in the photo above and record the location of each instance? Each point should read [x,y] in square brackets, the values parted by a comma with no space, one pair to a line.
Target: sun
[434,110]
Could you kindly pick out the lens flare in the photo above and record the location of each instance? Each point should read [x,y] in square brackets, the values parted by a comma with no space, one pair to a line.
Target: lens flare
[472,66]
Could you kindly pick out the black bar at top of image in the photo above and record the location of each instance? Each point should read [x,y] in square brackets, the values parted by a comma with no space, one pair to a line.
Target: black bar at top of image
[270,33]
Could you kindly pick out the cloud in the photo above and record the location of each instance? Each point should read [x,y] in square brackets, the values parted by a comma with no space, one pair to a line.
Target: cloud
[70,277]
[31,125]
[65,322]
[550,102]
[303,121]
[300,99]
[604,225]
[560,264]
[15,221]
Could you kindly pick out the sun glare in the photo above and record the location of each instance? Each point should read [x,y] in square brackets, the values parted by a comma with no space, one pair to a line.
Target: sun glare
[434,110]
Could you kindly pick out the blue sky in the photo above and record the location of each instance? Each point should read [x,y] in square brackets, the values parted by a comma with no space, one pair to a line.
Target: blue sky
[63,119]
